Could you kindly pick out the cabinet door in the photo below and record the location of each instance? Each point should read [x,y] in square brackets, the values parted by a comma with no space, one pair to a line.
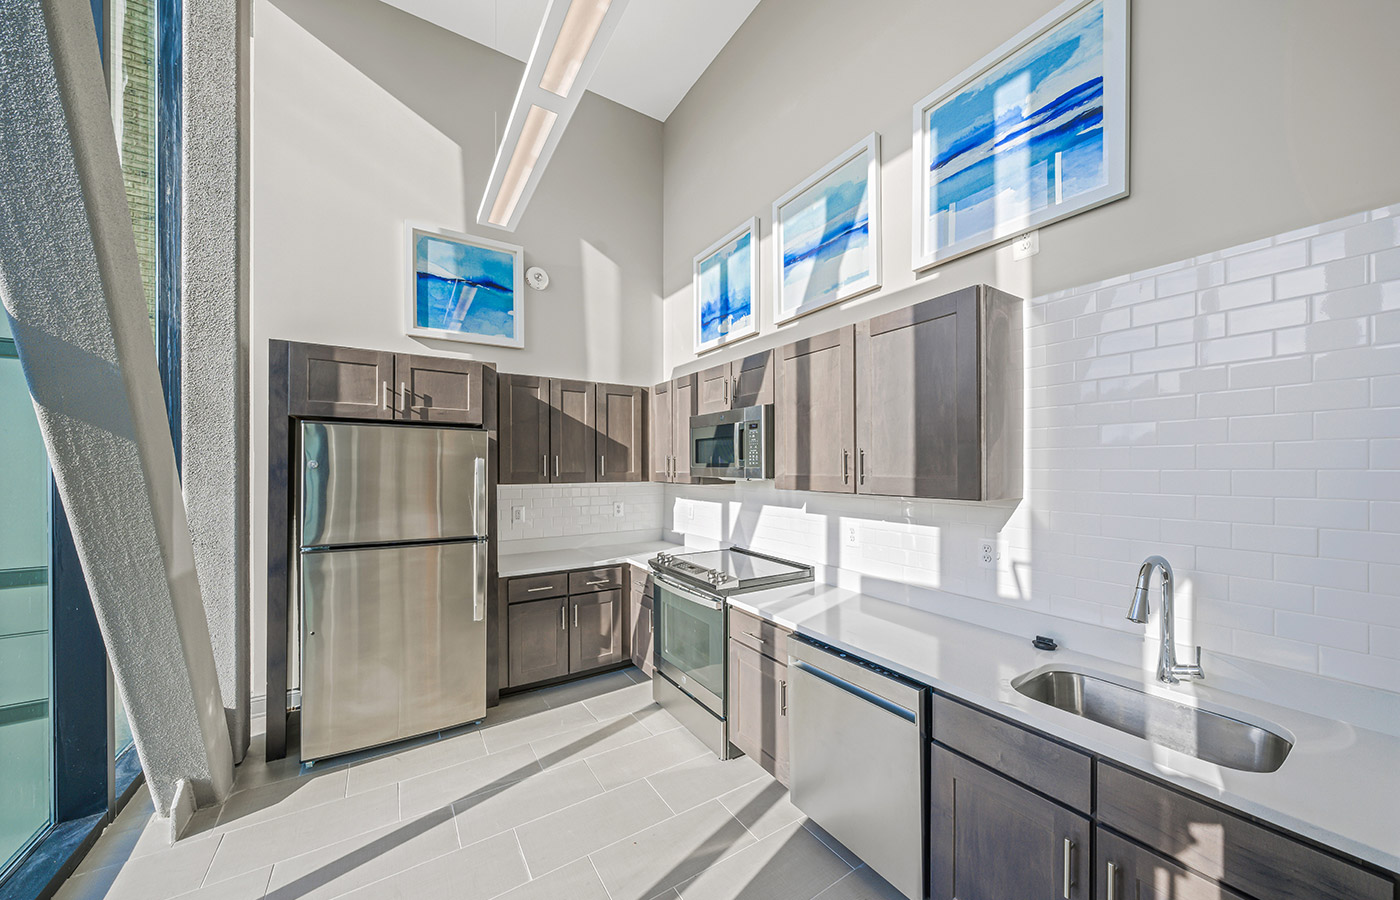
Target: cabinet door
[538,642]
[1129,872]
[815,413]
[573,433]
[340,382]
[757,708]
[523,412]
[754,380]
[439,389]
[622,433]
[992,838]
[714,385]
[683,406]
[661,432]
[595,630]
[917,423]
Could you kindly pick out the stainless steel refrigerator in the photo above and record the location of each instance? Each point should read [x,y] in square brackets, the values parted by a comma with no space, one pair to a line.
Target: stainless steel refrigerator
[394,537]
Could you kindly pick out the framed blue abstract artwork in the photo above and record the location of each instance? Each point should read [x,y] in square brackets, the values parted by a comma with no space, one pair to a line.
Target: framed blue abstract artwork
[726,289]
[826,234]
[465,288]
[1035,131]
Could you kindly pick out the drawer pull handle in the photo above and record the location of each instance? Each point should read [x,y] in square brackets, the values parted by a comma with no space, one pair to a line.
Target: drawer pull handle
[755,637]
[1112,882]
[604,581]
[545,588]
[1069,867]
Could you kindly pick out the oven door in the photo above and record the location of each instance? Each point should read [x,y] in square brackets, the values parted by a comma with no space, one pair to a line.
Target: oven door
[716,445]
[690,643]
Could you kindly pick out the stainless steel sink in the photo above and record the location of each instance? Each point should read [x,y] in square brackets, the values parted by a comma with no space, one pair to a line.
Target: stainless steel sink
[1204,734]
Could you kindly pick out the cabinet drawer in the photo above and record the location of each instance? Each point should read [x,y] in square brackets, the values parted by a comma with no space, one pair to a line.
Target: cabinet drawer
[537,587]
[1037,762]
[759,634]
[608,578]
[1238,853]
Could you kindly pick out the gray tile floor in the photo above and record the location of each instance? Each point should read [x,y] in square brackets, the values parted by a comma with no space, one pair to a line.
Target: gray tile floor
[586,791]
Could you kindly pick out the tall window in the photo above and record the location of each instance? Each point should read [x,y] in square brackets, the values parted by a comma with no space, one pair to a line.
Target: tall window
[26,731]
[132,63]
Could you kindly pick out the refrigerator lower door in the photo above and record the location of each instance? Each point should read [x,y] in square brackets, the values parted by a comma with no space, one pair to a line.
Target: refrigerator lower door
[393,644]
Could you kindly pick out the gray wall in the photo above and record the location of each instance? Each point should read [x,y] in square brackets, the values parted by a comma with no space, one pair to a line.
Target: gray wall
[1249,118]
[364,117]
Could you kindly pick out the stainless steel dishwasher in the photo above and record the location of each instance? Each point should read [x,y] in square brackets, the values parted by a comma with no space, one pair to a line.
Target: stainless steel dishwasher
[858,748]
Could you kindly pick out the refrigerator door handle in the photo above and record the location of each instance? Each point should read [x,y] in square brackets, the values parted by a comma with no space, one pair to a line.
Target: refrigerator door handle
[479,601]
[483,525]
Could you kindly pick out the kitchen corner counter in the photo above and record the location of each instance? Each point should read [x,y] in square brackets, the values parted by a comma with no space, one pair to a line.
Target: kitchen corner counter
[534,562]
[1339,785]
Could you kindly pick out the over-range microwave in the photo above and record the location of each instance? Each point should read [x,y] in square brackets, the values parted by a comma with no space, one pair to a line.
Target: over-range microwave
[735,444]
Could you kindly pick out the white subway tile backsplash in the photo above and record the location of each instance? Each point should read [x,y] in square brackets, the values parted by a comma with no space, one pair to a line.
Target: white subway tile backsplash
[565,510]
[1238,413]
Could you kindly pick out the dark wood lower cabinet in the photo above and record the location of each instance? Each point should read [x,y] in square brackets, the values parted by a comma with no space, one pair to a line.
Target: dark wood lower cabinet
[758,708]
[1129,872]
[595,630]
[991,839]
[538,644]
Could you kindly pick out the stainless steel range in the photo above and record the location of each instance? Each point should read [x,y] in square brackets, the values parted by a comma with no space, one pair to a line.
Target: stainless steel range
[692,639]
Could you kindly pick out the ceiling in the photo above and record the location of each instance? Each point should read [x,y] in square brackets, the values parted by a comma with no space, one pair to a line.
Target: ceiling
[660,48]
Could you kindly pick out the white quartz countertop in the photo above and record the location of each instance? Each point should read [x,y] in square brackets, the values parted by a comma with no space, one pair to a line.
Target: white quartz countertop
[1339,786]
[536,561]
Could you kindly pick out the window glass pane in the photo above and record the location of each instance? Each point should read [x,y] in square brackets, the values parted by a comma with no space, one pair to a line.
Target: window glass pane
[133,57]
[26,743]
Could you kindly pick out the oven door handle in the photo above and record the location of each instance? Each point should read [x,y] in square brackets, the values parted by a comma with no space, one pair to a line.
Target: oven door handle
[688,594]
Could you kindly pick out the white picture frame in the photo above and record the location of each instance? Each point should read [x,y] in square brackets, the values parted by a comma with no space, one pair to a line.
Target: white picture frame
[487,324]
[1011,214]
[787,306]
[701,278]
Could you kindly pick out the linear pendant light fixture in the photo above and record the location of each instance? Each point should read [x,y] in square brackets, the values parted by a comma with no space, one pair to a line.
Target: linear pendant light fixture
[567,50]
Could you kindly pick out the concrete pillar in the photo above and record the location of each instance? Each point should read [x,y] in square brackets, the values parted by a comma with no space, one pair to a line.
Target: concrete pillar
[71,285]
[214,329]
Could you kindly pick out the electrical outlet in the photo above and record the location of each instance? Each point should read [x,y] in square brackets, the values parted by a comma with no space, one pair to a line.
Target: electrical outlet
[690,510]
[987,553]
[1026,245]
[851,531]
[617,509]
[517,514]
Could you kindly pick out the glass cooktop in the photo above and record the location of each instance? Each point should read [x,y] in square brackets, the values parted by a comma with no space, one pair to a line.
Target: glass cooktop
[731,571]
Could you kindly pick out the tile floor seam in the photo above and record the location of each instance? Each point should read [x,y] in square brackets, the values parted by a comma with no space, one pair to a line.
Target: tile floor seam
[210,867]
[520,848]
[594,865]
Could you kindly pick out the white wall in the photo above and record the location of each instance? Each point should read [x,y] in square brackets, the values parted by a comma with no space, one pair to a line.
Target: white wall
[1238,412]
[364,117]
[1248,118]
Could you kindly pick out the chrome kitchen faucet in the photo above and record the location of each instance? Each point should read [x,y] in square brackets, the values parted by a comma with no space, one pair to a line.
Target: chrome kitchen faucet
[1168,669]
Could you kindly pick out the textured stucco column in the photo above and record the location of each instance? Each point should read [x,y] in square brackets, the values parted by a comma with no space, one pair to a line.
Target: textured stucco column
[214,329]
[71,284]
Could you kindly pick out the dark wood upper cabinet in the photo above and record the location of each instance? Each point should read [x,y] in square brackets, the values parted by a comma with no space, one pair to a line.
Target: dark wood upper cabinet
[990,837]
[340,382]
[937,398]
[596,632]
[814,414]
[524,411]
[714,386]
[684,400]
[573,431]
[622,433]
[537,641]
[439,389]
[661,432]
[754,380]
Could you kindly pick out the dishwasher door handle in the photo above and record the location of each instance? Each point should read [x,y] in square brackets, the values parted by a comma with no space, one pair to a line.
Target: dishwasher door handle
[908,715]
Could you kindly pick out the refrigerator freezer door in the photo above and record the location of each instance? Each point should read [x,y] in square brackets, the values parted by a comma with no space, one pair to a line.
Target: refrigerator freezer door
[391,646]
[367,484]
